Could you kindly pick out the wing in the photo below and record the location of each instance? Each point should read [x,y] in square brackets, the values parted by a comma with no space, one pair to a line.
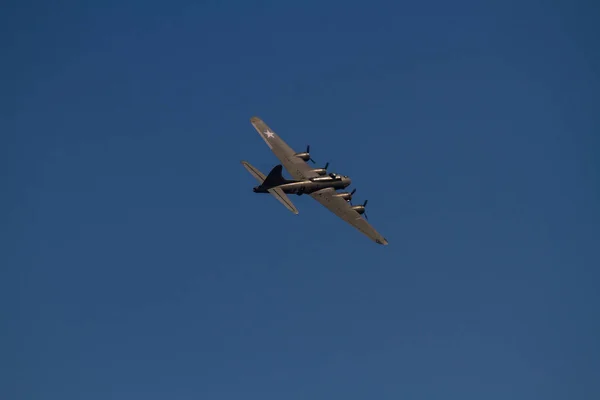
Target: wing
[342,209]
[296,166]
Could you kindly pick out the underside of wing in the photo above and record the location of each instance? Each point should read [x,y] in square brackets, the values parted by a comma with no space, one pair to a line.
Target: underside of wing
[296,166]
[342,209]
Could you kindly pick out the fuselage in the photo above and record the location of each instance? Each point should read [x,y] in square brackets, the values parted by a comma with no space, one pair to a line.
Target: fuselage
[309,185]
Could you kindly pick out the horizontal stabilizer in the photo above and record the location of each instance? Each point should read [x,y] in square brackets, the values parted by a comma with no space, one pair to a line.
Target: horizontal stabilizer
[260,177]
[283,199]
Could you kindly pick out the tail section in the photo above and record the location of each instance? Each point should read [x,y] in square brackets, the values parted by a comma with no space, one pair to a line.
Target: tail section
[268,184]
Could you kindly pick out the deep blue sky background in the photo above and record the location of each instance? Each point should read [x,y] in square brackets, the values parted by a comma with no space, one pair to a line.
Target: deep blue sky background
[137,263]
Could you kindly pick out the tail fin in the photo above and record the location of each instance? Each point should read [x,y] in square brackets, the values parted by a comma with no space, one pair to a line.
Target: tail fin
[275,177]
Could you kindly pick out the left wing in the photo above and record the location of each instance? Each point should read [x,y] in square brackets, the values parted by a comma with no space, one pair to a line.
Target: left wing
[342,209]
[296,166]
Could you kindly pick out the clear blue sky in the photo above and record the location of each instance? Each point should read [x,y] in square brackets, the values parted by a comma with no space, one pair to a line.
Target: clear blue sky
[136,263]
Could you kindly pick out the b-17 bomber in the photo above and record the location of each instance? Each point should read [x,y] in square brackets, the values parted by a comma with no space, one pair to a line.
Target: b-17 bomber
[315,182]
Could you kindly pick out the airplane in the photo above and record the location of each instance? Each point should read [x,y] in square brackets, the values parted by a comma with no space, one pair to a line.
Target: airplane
[315,182]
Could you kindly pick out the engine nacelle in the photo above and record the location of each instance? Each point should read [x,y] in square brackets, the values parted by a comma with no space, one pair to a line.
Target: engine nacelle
[345,195]
[359,209]
[304,156]
[320,171]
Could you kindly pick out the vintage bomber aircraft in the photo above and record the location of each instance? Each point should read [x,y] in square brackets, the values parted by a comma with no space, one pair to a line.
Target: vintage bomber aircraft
[312,181]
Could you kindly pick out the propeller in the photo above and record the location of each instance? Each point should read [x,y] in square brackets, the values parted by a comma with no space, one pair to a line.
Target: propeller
[364,204]
[351,194]
[308,151]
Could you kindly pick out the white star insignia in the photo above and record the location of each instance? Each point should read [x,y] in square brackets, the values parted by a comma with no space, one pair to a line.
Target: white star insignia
[269,134]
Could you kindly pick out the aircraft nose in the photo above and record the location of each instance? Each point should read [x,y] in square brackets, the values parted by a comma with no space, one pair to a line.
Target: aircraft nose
[348,181]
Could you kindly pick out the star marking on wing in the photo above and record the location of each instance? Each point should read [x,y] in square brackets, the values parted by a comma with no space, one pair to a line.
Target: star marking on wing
[269,134]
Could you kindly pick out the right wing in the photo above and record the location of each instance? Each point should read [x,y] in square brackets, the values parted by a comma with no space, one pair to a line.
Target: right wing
[342,209]
[296,166]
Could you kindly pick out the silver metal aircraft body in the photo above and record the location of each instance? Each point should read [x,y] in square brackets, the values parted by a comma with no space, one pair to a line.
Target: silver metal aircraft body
[315,182]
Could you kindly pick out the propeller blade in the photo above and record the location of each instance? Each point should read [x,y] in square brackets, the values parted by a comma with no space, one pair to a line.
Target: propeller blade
[308,151]
[365,214]
[326,165]
[364,205]
[351,194]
